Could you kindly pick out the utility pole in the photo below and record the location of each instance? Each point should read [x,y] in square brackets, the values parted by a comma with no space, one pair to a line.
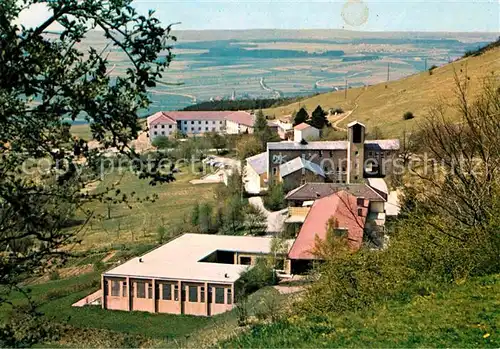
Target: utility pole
[388,71]
[425,64]
[345,89]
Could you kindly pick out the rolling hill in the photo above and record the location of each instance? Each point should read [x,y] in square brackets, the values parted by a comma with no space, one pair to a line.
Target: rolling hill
[384,104]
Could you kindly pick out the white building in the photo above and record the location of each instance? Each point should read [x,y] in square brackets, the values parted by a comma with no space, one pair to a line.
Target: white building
[199,122]
[305,132]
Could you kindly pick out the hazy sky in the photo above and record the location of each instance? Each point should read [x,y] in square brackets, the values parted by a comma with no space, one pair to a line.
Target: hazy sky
[369,15]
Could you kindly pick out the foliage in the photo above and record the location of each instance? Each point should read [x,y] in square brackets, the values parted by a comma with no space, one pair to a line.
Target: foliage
[481,50]
[260,123]
[45,80]
[217,141]
[318,118]
[300,117]
[162,142]
[336,111]
[432,68]
[456,316]
[247,146]
[262,131]
[243,104]
[275,198]
[259,276]
[408,115]
[255,220]
[161,232]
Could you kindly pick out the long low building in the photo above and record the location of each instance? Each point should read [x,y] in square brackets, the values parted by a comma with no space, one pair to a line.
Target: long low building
[167,123]
[193,274]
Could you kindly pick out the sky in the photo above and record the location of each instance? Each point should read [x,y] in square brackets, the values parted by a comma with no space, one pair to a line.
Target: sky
[363,15]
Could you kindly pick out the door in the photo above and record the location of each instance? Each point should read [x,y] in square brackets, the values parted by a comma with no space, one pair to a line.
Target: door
[209,301]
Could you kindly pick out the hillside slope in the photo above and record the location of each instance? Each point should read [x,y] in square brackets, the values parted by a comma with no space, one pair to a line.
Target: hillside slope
[461,316]
[384,104]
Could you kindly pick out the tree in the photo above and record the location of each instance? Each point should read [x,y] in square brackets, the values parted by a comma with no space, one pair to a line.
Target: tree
[260,124]
[217,141]
[318,118]
[47,78]
[300,117]
[408,115]
[248,146]
[275,198]
[162,142]
[255,220]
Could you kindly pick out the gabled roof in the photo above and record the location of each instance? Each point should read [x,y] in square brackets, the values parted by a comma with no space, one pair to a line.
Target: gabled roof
[382,144]
[317,145]
[242,118]
[302,126]
[315,191]
[351,124]
[160,118]
[344,207]
[300,163]
[258,163]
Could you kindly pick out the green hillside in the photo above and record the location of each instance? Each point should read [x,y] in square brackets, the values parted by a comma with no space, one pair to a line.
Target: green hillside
[384,104]
[462,316]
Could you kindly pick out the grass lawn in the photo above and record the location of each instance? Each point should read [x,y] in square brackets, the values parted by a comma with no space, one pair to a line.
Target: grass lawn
[139,224]
[464,315]
[164,330]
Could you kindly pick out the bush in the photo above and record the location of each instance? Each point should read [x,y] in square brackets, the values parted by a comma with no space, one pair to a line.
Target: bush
[408,115]
[432,68]
[54,275]
[261,275]
[275,198]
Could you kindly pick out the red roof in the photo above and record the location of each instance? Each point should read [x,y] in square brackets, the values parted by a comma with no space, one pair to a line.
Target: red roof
[341,205]
[302,126]
[160,118]
[242,118]
[198,115]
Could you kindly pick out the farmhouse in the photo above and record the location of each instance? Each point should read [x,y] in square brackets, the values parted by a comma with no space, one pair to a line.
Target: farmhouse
[306,132]
[194,274]
[166,123]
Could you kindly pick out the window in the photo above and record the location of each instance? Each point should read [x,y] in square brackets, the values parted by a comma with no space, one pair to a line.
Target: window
[150,290]
[213,122]
[162,126]
[213,129]
[193,294]
[202,294]
[155,126]
[206,128]
[163,133]
[360,211]
[115,288]
[331,153]
[382,154]
[370,153]
[199,122]
[343,169]
[199,128]
[169,126]
[321,153]
[192,122]
[106,287]
[219,295]
[166,292]
[275,171]
[141,290]
[156,133]
[229,296]
[245,260]
[356,152]
[206,122]
[176,292]
[220,122]
[124,289]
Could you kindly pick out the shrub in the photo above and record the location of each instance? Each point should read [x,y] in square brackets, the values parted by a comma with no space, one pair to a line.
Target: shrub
[261,275]
[275,198]
[432,68]
[54,275]
[408,115]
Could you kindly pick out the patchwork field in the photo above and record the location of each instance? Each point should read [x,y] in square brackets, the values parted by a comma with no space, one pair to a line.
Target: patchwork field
[384,104]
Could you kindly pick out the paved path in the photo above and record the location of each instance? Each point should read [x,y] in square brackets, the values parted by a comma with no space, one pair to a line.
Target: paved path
[275,220]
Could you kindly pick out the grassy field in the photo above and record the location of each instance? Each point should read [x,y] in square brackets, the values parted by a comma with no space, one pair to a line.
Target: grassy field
[463,316]
[384,104]
[140,223]
[101,327]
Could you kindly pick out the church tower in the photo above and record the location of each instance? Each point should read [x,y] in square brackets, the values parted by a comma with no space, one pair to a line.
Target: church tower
[355,151]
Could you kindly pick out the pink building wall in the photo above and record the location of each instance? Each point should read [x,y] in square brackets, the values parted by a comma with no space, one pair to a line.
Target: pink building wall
[148,295]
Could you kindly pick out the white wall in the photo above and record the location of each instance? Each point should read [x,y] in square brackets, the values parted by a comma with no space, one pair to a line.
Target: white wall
[202,126]
[252,180]
[161,129]
[309,134]
[234,128]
